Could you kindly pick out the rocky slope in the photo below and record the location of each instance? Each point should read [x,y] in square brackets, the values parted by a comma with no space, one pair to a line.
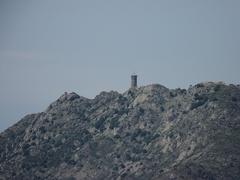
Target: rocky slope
[150,132]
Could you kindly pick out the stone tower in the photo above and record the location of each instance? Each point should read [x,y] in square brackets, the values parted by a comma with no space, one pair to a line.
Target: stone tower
[134,81]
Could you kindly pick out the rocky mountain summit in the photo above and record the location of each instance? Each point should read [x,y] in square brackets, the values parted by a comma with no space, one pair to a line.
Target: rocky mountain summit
[150,132]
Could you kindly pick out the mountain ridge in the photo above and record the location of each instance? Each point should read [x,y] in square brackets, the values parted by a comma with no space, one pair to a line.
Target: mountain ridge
[150,132]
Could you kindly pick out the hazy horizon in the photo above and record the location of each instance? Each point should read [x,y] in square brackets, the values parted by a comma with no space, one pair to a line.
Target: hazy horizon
[49,47]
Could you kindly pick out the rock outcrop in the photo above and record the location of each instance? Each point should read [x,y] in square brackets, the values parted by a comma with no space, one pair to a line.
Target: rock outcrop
[150,132]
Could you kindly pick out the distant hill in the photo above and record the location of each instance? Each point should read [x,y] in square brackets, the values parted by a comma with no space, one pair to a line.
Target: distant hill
[149,132]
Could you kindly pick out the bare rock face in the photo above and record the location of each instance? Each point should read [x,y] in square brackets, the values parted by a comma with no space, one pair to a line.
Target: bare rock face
[150,132]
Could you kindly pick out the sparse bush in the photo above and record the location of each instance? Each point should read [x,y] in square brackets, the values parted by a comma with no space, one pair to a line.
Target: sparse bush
[141,110]
[199,100]
[234,99]
[145,136]
[217,87]
[128,157]
[113,123]
[155,136]
[42,129]
[162,108]
[172,94]
[122,166]
[123,175]
[117,136]
[25,149]
[115,168]
[195,105]
[183,91]
[136,150]
[199,85]
[100,124]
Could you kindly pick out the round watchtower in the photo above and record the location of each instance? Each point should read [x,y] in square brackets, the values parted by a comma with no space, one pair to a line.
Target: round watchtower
[134,81]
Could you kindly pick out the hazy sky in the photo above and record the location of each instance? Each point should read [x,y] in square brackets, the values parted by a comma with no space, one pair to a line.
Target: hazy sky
[48,47]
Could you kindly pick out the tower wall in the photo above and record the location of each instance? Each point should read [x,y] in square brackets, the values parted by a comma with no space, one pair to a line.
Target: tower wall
[133,81]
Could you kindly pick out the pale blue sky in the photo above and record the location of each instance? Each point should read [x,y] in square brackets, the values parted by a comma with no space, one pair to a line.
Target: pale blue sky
[48,47]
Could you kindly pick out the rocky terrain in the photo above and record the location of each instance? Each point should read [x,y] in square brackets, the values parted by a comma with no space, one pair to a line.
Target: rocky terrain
[150,132]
